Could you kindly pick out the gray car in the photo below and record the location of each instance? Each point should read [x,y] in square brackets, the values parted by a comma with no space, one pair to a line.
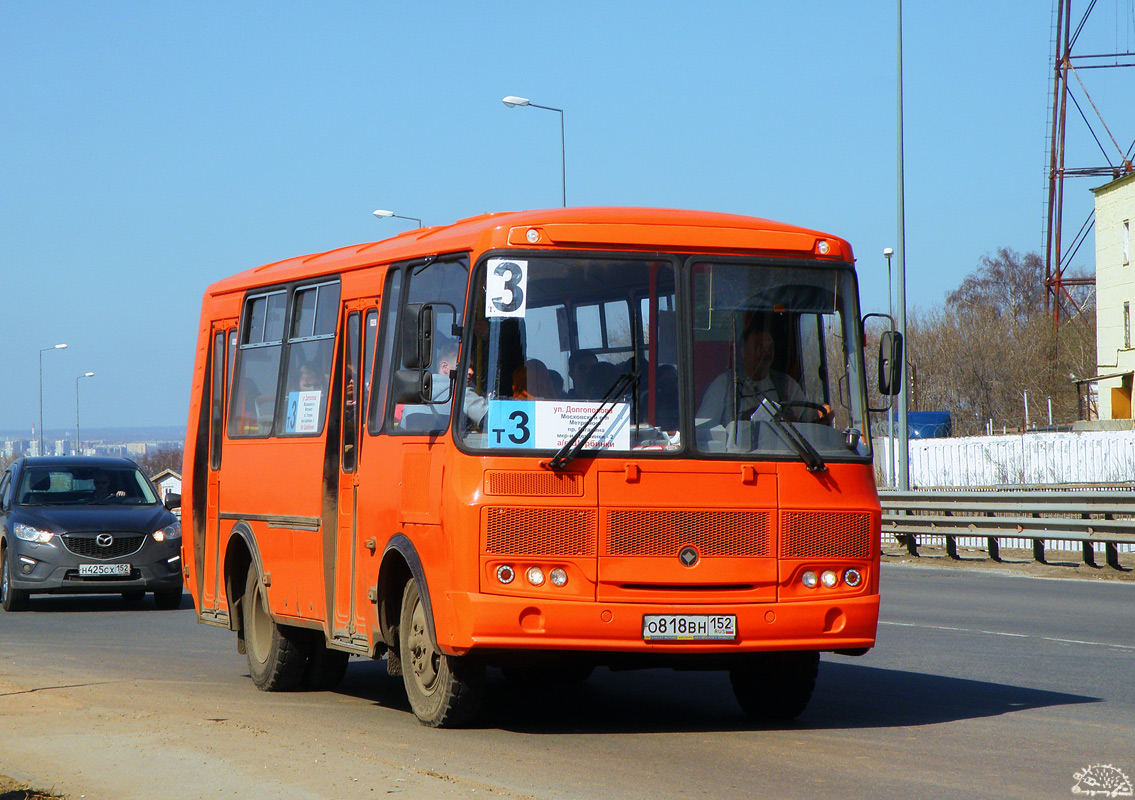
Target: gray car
[85,525]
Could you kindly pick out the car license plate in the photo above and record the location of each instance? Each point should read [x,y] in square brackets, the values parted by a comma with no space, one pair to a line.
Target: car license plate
[688,627]
[96,570]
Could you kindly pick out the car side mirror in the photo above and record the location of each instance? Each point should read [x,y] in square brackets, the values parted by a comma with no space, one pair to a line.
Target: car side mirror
[172,501]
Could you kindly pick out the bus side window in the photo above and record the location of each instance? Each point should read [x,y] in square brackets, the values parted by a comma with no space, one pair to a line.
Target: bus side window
[384,360]
[311,349]
[217,400]
[253,410]
[442,282]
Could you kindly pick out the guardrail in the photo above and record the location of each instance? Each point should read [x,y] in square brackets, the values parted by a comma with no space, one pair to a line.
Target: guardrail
[1089,517]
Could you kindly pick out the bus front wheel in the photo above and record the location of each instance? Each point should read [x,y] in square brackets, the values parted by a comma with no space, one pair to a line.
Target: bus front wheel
[775,687]
[276,653]
[444,691]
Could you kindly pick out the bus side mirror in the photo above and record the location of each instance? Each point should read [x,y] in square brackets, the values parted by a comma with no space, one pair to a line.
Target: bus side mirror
[890,363]
[412,386]
[417,335]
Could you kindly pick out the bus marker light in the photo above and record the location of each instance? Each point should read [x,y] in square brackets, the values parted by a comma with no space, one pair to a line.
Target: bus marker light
[535,576]
[533,235]
[505,573]
[809,579]
[558,576]
[852,577]
[829,578]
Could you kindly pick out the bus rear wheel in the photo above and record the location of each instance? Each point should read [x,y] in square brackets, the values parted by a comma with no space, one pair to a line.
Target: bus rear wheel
[277,654]
[444,691]
[775,687]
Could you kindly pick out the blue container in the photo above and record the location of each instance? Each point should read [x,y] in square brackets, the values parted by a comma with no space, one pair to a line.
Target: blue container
[929,424]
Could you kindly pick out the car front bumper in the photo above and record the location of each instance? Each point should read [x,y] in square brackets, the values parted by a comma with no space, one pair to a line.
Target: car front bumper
[50,568]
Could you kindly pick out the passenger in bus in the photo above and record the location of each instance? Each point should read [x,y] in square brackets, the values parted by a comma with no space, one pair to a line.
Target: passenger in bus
[579,366]
[755,381]
[533,381]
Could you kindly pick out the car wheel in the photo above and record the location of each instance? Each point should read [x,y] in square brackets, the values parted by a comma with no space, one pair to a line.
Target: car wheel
[11,599]
[775,687]
[277,654]
[444,691]
[325,667]
[168,601]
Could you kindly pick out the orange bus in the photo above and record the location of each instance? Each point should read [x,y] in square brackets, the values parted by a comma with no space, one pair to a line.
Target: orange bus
[541,442]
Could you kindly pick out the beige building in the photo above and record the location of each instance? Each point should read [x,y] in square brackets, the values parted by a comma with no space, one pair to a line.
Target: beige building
[1115,296]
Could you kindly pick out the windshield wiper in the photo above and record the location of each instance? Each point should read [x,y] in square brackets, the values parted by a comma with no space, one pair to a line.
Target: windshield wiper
[790,434]
[573,445]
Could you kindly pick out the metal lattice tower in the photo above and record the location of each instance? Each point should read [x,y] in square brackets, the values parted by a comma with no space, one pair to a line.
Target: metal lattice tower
[1067,65]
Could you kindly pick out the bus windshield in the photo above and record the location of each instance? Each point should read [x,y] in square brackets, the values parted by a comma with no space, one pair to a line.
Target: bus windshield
[595,353]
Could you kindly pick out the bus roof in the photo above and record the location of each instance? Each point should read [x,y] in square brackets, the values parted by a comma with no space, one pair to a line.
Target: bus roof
[608,228]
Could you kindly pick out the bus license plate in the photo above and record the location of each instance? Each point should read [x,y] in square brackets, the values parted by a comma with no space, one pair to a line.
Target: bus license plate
[96,570]
[688,627]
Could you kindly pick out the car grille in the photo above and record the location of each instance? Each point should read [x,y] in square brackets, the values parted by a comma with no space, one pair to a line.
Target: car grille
[87,546]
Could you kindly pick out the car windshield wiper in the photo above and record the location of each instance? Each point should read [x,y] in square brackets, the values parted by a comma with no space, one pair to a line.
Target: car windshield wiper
[575,444]
[790,434]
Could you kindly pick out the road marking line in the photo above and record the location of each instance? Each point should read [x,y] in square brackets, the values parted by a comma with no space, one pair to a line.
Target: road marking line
[1011,635]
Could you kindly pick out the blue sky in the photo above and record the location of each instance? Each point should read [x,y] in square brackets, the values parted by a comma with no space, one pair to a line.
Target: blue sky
[149,149]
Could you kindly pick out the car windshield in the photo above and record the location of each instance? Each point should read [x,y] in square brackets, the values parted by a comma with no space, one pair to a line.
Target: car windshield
[574,355]
[84,485]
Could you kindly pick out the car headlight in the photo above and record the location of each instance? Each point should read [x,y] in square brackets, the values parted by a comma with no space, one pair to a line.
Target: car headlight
[30,534]
[168,533]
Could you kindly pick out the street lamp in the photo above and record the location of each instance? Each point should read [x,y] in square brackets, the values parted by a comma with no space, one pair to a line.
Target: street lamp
[41,352]
[383,213]
[84,375]
[887,253]
[513,101]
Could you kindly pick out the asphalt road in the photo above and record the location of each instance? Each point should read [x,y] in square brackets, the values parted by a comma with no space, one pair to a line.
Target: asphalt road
[982,684]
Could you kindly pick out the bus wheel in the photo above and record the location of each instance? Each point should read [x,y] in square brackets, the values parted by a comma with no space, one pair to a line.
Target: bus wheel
[276,653]
[325,667]
[775,687]
[444,691]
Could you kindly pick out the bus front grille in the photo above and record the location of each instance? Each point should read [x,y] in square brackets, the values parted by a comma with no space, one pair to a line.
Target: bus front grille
[539,531]
[645,532]
[533,484]
[825,534]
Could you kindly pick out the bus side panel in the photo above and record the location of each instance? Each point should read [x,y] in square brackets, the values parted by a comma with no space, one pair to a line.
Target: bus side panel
[272,482]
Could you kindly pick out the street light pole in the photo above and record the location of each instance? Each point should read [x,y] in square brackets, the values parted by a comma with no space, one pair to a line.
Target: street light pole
[382,213]
[887,253]
[84,375]
[903,480]
[513,101]
[41,352]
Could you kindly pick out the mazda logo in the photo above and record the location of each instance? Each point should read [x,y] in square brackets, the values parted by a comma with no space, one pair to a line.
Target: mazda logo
[104,540]
[688,556]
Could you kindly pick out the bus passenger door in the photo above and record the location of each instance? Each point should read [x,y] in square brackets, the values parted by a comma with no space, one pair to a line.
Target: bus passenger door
[223,341]
[360,323]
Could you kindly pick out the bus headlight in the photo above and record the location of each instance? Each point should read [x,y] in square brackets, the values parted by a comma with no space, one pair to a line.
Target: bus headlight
[829,578]
[809,579]
[535,576]
[558,576]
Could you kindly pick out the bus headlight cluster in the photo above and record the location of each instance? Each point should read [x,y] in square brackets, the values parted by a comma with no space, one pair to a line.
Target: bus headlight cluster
[831,579]
[535,576]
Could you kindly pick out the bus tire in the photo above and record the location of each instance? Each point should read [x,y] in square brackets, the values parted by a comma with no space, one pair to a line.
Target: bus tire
[444,691]
[775,687]
[277,654]
[10,598]
[325,667]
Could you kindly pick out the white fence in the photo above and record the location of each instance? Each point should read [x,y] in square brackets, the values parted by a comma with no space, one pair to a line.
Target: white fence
[1034,460]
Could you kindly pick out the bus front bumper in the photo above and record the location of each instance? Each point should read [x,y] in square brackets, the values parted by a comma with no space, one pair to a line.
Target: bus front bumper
[508,623]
